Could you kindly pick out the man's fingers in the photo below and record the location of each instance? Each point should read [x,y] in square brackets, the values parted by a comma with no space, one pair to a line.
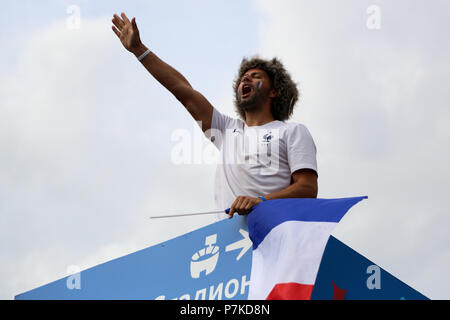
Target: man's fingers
[133,23]
[117,32]
[240,207]
[231,212]
[233,207]
[125,18]
[249,205]
[239,203]
[244,205]
[118,22]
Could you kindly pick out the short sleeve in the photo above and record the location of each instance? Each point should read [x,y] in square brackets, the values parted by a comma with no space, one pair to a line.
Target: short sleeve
[301,149]
[220,121]
[219,124]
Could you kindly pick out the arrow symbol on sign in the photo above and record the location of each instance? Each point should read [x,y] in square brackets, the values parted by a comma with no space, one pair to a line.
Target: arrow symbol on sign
[243,244]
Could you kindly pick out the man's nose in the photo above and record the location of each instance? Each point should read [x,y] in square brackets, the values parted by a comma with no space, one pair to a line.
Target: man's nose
[246,79]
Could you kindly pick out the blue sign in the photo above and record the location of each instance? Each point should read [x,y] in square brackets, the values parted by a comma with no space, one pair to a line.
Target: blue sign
[213,262]
[344,274]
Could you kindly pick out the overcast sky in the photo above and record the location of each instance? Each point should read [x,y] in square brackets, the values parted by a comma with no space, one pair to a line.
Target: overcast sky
[85,132]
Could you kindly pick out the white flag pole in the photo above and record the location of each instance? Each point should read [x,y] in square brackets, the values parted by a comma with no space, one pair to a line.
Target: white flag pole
[190,214]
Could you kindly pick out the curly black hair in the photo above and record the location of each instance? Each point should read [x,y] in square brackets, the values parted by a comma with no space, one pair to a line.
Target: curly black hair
[287,92]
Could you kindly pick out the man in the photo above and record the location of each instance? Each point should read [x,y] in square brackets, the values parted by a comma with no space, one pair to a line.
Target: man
[264,97]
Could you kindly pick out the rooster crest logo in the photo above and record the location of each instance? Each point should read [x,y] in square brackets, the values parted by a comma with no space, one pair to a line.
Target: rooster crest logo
[267,137]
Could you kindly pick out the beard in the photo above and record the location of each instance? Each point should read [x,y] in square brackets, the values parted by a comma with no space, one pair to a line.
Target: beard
[253,103]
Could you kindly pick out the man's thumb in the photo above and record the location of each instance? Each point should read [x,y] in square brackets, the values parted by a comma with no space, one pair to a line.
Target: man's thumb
[133,23]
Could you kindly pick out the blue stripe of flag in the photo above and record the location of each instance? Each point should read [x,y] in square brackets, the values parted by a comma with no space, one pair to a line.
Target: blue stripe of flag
[269,214]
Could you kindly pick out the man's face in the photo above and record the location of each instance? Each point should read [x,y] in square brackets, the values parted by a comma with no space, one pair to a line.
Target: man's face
[253,90]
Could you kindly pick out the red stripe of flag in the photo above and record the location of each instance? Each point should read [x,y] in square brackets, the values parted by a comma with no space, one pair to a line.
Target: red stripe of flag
[291,291]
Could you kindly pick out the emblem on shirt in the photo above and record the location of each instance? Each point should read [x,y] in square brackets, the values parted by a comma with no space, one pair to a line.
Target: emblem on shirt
[267,137]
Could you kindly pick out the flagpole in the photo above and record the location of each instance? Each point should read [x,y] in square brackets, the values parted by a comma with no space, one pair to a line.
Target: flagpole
[190,214]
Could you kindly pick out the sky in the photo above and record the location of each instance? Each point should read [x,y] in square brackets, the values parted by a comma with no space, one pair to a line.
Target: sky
[86,134]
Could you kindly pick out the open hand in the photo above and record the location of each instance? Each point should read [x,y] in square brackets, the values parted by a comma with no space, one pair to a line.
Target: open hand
[127,31]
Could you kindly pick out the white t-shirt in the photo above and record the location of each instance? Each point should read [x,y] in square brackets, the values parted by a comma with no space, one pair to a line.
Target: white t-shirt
[257,160]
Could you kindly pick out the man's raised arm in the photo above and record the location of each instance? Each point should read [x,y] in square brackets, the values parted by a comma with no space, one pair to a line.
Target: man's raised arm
[195,103]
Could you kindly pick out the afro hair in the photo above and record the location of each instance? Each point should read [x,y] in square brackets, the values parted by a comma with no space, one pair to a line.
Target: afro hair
[287,92]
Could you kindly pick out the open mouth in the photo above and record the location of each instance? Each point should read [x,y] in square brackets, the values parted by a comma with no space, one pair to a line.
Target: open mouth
[246,90]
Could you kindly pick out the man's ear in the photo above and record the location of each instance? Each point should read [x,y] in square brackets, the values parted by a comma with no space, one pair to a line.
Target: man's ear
[273,93]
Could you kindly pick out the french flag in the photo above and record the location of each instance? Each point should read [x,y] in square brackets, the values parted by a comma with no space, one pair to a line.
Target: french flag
[289,237]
